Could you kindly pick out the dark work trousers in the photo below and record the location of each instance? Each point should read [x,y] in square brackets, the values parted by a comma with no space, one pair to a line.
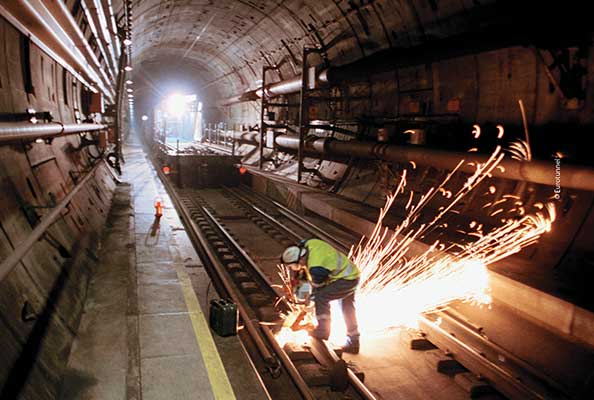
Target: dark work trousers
[344,291]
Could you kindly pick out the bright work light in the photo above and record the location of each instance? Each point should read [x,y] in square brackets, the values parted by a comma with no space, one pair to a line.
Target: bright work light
[176,104]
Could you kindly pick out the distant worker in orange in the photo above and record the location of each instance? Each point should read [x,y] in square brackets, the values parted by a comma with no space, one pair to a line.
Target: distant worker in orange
[333,277]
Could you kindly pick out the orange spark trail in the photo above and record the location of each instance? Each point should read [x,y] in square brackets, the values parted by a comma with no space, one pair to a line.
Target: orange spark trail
[403,277]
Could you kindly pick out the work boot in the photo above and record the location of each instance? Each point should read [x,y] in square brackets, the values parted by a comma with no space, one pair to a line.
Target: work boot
[322,331]
[351,346]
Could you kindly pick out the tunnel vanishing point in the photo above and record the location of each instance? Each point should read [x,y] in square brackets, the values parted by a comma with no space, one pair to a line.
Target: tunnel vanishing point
[157,157]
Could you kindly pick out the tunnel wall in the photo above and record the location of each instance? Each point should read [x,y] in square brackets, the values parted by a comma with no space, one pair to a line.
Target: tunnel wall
[444,97]
[42,298]
[482,88]
[559,264]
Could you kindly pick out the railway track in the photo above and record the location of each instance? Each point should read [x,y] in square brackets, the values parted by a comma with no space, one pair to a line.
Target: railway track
[453,333]
[244,281]
[315,373]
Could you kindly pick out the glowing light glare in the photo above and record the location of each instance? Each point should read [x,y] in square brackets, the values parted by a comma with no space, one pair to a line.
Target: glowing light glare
[129,90]
[176,104]
[128,68]
[431,279]
[144,118]
[127,42]
[129,82]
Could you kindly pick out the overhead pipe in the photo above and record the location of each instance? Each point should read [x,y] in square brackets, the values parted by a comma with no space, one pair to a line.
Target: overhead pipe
[62,15]
[47,221]
[28,20]
[287,86]
[102,16]
[93,18]
[541,172]
[112,27]
[506,32]
[14,131]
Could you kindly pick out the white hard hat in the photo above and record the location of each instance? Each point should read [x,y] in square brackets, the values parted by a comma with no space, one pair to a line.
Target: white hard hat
[292,254]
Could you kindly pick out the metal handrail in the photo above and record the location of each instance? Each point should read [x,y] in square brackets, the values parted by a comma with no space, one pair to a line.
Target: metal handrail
[23,248]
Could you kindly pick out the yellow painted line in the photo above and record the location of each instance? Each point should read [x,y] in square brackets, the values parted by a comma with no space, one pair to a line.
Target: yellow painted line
[219,381]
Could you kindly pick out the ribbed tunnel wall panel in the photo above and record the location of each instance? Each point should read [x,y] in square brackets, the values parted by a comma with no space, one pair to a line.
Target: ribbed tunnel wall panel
[41,300]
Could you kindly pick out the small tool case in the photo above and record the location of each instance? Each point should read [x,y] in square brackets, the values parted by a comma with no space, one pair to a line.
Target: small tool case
[223,317]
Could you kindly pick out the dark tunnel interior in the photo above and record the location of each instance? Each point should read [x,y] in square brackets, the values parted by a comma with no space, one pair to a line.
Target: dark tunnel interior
[429,158]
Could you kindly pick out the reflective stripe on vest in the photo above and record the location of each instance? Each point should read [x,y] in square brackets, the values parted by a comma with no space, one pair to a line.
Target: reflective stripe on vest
[322,254]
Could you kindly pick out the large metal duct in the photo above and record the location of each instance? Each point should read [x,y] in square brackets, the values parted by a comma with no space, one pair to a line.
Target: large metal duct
[541,172]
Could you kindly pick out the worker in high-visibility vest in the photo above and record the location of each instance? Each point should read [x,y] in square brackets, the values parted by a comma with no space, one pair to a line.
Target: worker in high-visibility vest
[333,277]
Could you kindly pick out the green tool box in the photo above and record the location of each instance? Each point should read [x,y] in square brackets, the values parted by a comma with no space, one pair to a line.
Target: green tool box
[223,317]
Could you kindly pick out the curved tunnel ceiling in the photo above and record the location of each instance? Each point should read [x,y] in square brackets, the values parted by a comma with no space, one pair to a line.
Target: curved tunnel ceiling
[230,40]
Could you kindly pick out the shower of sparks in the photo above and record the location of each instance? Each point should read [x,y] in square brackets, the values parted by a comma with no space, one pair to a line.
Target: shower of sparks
[520,150]
[403,278]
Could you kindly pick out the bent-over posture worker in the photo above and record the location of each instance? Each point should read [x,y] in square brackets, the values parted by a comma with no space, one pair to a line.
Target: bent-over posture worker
[333,277]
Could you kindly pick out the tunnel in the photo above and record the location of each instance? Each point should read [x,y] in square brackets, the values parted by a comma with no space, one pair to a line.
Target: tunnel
[296,199]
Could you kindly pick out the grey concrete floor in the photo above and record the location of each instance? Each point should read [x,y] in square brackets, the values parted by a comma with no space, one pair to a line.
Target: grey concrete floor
[141,335]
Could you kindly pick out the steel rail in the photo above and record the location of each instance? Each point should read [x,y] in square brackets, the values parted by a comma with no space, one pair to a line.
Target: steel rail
[520,365]
[455,319]
[353,379]
[282,356]
[476,362]
[324,351]
[47,220]
[303,223]
[14,131]
[246,257]
[321,347]
[285,360]
[195,233]
[199,238]
[270,219]
[524,366]
[288,364]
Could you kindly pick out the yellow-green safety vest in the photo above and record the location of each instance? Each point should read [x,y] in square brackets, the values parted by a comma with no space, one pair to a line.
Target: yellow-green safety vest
[321,254]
